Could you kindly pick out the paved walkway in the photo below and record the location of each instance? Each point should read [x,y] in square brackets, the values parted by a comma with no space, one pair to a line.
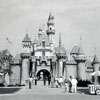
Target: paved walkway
[41,89]
[41,92]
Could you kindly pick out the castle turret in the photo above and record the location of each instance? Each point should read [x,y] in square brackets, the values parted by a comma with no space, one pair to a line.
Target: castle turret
[74,51]
[39,33]
[95,63]
[25,67]
[26,44]
[61,56]
[25,59]
[96,66]
[80,59]
[50,24]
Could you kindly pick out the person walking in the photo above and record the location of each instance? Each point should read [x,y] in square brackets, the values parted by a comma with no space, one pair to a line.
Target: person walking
[49,79]
[52,81]
[70,83]
[66,85]
[30,82]
[74,85]
[61,81]
[36,80]
[44,80]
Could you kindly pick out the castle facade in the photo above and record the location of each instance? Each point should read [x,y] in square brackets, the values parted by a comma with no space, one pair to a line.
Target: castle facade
[42,60]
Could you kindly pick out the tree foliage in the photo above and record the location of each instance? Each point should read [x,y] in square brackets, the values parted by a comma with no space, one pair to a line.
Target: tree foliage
[5,61]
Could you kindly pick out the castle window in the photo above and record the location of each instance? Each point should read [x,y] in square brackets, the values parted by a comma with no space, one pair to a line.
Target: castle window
[43,44]
[43,53]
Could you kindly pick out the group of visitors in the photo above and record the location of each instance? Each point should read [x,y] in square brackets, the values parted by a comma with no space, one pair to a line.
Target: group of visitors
[70,85]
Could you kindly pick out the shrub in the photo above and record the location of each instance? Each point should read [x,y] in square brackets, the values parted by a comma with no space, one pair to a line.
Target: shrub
[83,83]
[1,84]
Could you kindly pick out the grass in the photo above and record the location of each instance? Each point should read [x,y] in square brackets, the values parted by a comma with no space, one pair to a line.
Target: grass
[8,90]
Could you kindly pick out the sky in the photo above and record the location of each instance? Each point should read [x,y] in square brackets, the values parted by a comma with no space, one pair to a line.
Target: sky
[73,18]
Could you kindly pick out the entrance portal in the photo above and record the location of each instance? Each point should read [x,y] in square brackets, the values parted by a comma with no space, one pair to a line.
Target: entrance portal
[44,75]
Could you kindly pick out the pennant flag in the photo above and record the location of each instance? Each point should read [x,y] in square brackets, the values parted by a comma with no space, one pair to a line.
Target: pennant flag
[8,41]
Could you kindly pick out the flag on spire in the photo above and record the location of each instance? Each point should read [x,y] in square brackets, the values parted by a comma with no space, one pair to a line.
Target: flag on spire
[80,39]
[8,41]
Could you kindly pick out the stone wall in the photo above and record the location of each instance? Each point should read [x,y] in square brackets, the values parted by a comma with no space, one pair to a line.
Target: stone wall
[71,70]
[88,76]
[16,75]
[25,71]
[81,71]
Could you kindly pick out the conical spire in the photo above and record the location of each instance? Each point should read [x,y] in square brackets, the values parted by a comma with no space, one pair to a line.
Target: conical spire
[80,50]
[51,17]
[74,49]
[60,40]
[95,59]
[40,29]
[26,39]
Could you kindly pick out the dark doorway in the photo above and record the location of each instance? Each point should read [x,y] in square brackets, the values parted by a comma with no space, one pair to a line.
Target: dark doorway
[44,75]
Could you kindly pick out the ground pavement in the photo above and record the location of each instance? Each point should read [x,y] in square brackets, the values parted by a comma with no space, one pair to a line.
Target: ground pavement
[41,92]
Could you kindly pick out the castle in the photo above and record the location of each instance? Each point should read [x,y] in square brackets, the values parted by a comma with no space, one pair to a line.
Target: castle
[40,58]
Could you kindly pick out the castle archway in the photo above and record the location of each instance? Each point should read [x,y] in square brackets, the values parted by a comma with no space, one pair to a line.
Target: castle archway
[43,74]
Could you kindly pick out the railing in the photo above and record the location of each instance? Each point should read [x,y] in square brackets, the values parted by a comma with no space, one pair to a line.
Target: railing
[93,88]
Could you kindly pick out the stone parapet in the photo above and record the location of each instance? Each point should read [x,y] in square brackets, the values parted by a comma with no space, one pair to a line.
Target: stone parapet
[25,55]
[80,58]
[50,31]
[16,62]
[71,63]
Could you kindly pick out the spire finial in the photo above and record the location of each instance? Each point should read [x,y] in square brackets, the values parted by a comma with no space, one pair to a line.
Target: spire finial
[95,50]
[80,40]
[59,39]
[43,27]
[35,36]
[26,31]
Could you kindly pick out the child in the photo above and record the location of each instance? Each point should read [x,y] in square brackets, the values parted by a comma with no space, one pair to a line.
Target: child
[56,83]
[66,85]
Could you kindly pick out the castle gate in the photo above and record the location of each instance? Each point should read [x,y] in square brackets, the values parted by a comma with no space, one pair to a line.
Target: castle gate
[43,74]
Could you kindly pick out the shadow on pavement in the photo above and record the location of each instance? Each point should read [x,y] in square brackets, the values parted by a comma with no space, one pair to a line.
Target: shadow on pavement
[4,90]
[83,90]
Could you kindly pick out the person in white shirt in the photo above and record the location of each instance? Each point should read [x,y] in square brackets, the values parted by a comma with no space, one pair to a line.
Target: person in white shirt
[30,82]
[61,81]
[74,85]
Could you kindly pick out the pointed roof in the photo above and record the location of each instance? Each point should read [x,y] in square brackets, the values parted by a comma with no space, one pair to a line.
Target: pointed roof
[41,39]
[80,51]
[60,50]
[95,59]
[60,40]
[50,16]
[75,49]
[40,29]
[26,39]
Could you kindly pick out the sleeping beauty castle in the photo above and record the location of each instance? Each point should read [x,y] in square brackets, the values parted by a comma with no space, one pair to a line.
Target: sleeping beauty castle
[42,60]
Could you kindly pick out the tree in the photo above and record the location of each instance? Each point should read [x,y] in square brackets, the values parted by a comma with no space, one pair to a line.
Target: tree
[5,60]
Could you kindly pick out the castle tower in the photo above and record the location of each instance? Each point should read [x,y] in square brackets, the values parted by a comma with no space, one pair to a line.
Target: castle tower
[61,56]
[25,59]
[39,33]
[26,44]
[80,59]
[74,51]
[50,24]
[96,66]
[95,63]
